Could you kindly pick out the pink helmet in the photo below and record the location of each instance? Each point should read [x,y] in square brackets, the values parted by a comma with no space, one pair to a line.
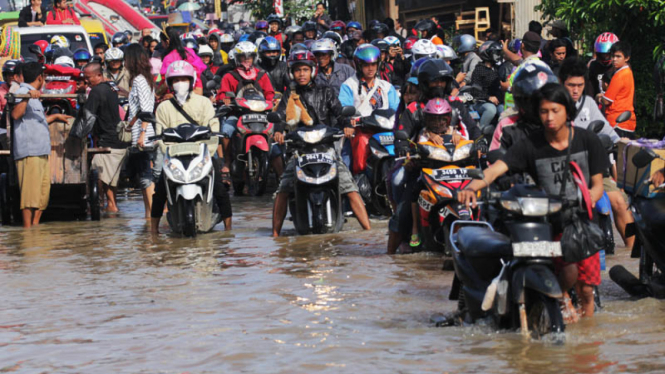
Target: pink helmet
[181,69]
[438,106]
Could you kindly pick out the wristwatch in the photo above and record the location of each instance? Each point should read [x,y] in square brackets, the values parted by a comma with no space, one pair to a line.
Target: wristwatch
[142,130]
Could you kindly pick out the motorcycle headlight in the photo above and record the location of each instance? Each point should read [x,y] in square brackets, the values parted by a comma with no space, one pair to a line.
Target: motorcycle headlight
[463,152]
[257,105]
[199,170]
[332,173]
[531,206]
[440,154]
[57,91]
[313,136]
[174,170]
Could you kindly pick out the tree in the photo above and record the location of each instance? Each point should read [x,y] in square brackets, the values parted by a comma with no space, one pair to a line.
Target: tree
[297,9]
[639,22]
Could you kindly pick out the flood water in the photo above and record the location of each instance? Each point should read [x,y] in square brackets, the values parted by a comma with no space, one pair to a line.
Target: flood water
[106,297]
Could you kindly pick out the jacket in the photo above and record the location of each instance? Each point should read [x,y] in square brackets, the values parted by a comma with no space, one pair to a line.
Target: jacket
[469,65]
[122,80]
[321,103]
[340,73]
[207,75]
[348,96]
[231,84]
[587,112]
[57,17]
[278,74]
[25,16]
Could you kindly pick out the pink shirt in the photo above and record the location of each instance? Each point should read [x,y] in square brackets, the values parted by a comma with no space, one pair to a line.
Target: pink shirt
[496,138]
[192,58]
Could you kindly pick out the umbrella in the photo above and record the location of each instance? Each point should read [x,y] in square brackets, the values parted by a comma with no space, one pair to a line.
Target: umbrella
[189,7]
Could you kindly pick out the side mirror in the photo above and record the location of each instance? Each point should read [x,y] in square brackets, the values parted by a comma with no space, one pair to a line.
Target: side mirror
[274,117]
[488,131]
[348,111]
[401,135]
[217,79]
[147,117]
[597,126]
[606,141]
[644,157]
[211,84]
[496,155]
[475,173]
[230,95]
[623,117]
[223,111]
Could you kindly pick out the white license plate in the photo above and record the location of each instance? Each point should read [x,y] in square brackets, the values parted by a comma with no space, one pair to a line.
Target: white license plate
[537,249]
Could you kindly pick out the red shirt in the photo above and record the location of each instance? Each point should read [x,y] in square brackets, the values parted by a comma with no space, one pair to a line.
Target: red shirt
[230,84]
[57,17]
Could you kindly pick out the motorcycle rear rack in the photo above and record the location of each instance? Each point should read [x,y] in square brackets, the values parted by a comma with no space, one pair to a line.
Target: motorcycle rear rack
[453,241]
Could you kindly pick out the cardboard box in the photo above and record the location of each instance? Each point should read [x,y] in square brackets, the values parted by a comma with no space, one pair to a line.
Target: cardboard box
[626,180]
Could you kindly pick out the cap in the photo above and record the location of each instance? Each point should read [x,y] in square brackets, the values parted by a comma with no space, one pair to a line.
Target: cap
[531,36]
[559,24]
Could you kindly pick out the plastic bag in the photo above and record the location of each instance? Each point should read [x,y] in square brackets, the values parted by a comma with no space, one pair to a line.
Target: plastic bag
[581,239]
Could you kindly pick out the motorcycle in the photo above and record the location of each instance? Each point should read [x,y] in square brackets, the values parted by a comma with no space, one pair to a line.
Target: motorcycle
[373,158]
[467,98]
[189,176]
[649,244]
[251,142]
[509,278]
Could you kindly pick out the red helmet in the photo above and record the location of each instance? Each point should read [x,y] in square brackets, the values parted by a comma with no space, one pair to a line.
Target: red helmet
[42,44]
[302,57]
[339,27]
[409,42]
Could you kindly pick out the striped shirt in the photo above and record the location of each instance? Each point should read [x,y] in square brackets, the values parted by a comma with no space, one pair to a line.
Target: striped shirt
[141,99]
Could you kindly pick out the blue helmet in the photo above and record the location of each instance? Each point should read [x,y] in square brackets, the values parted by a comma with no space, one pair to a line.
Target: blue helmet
[366,54]
[82,54]
[355,25]
[467,43]
[244,38]
[416,66]
[270,44]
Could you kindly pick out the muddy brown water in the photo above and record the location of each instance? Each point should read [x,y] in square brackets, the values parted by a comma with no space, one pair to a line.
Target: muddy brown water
[105,297]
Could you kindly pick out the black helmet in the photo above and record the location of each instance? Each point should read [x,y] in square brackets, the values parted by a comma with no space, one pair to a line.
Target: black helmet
[426,25]
[381,44]
[10,67]
[529,79]
[119,38]
[334,37]
[381,28]
[309,26]
[274,18]
[490,51]
[432,70]
[257,35]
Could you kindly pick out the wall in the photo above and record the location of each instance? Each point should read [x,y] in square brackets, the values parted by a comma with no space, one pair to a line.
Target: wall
[524,13]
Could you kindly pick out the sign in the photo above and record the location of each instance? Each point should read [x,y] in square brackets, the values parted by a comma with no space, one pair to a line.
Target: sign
[279,8]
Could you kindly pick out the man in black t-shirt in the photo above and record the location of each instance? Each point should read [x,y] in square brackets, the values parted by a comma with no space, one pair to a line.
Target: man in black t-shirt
[102,105]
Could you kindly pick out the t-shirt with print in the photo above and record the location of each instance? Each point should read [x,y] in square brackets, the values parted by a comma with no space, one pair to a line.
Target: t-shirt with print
[621,94]
[546,165]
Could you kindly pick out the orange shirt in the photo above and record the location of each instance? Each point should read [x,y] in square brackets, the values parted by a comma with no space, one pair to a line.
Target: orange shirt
[620,94]
[436,40]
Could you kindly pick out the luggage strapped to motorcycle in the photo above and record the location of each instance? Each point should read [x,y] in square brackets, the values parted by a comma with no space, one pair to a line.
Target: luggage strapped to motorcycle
[242,82]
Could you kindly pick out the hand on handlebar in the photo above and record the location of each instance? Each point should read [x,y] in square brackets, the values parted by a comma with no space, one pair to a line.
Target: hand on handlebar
[658,178]
[348,132]
[468,198]
[227,101]
[278,137]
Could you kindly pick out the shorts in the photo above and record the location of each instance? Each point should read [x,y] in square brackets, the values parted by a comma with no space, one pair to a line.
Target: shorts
[588,270]
[34,180]
[609,185]
[138,167]
[229,126]
[346,183]
[108,166]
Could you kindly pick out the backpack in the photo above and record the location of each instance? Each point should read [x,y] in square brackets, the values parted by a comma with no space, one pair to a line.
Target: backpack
[244,84]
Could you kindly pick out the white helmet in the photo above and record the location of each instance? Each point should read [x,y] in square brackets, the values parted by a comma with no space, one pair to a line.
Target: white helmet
[325,46]
[64,61]
[392,41]
[245,48]
[205,50]
[113,54]
[423,48]
[60,40]
[446,53]
[226,38]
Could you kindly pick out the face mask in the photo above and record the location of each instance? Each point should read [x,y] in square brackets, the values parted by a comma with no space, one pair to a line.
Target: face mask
[181,90]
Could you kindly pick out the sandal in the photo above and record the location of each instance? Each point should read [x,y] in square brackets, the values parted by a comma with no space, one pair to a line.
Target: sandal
[415,241]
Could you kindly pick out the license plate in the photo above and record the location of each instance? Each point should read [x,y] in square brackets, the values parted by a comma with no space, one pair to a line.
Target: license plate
[537,249]
[450,174]
[315,158]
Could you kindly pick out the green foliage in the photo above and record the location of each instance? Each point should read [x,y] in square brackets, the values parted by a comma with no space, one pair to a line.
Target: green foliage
[261,9]
[639,22]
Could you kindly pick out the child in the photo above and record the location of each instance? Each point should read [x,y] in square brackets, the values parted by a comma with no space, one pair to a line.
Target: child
[620,94]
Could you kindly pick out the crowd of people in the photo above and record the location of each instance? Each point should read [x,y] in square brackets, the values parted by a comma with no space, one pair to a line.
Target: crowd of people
[532,89]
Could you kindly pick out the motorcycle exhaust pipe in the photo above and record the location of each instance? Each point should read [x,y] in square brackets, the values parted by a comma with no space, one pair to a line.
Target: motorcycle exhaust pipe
[628,282]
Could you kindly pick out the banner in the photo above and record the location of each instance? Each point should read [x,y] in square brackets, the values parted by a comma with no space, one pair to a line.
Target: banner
[279,8]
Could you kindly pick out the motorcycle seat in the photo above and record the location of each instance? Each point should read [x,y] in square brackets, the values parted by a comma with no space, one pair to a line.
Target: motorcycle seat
[482,242]
[653,211]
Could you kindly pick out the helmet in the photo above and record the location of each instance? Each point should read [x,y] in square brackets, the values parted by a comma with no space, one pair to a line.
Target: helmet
[438,115]
[467,43]
[392,40]
[381,44]
[355,25]
[226,38]
[82,54]
[237,35]
[432,70]
[261,25]
[42,44]
[302,57]
[119,38]
[181,68]
[205,50]
[289,31]
[366,54]
[381,28]
[9,67]
[529,79]
[60,41]
[409,42]
[334,37]
[191,43]
[309,26]
[113,54]
[214,31]
[198,33]
[422,48]
[244,38]
[373,23]
[490,51]
[604,42]
[64,61]
[447,52]
[416,65]
[274,18]
[426,25]
[515,45]
[338,26]
[257,36]
[270,44]
[325,46]
[245,49]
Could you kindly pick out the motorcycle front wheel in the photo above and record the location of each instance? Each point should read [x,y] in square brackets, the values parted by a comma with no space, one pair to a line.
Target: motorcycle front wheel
[543,315]
[189,218]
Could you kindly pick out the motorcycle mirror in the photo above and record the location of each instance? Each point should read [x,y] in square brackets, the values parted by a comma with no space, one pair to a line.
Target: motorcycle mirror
[401,135]
[211,84]
[147,117]
[596,126]
[623,117]
[475,173]
[230,95]
[488,131]
[223,111]
[644,157]
[606,141]
[217,79]
[274,117]
[348,111]
[495,155]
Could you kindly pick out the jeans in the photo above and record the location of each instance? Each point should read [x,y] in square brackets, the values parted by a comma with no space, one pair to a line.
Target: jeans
[487,113]
[229,126]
